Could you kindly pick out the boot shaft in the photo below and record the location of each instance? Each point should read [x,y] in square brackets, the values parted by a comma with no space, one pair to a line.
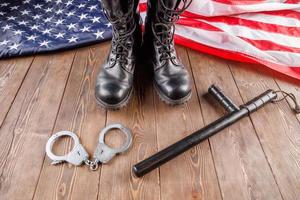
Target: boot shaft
[116,9]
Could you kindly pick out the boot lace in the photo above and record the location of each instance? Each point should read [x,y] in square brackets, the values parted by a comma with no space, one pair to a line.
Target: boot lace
[164,30]
[122,37]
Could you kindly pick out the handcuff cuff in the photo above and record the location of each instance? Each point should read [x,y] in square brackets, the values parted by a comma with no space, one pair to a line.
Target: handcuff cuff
[78,155]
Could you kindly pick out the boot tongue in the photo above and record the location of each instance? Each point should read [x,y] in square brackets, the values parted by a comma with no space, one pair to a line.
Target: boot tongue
[122,27]
[115,9]
[171,4]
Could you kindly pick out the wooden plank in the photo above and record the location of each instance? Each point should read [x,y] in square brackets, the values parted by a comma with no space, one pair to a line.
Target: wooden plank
[277,128]
[12,73]
[192,174]
[290,87]
[242,168]
[29,123]
[79,114]
[117,181]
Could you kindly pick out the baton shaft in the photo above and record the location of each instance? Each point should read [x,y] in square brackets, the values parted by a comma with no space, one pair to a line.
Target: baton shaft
[190,141]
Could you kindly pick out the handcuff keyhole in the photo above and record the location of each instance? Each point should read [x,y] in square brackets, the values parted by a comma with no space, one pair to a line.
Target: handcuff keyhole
[63,145]
[115,138]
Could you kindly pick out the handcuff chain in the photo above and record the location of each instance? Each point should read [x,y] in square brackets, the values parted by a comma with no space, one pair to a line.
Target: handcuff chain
[93,164]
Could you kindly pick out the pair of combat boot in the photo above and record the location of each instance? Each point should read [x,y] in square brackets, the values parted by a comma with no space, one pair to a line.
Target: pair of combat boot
[114,84]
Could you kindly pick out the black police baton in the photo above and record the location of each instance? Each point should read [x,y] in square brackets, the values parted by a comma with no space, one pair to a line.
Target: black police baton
[235,113]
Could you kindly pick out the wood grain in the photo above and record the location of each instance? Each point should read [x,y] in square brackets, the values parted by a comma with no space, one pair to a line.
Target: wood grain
[79,114]
[257,158]
[277,128]
[12,73]
[236,150]
[290,88]
[28,124]
[117,180]
[192,174]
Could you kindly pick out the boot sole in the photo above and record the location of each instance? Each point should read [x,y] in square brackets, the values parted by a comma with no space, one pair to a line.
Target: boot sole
[169,101]
[118,106]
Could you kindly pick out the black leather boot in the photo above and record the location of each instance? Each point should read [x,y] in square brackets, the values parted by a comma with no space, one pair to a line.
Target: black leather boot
[171,79]
[114,84]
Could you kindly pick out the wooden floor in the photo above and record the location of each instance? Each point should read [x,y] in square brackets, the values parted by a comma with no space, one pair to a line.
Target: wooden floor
[258,158]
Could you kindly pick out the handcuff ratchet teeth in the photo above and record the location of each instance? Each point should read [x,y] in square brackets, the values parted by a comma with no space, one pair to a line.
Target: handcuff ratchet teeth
[79,155]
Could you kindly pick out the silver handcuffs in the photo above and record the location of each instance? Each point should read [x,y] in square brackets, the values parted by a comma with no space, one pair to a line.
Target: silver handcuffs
[78,155]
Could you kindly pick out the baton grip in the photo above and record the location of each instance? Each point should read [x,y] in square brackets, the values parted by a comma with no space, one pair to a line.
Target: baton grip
[259,101]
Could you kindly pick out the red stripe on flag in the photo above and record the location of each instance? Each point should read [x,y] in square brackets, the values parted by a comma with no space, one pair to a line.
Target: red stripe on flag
[191,15]
[292,1]
[290,31]
[143,7]
[239,2]
[266,45]
[283,13]
[198,24]
[293,72]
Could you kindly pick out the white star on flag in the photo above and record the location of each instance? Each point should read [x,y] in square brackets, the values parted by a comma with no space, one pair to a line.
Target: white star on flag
[73,39]
[25,12]
[45,43]
[32,37]
[59,35]
[6,27]
[18,32]
[69,3]
[48,10]
[59,11]
[23,23]
[81,5]
[99,34]
[4,42]
[93,7]
[14,7]
[71,26]
[85,29]
[46,31]
[35,27]
[58,2]
[71,13]
[37,16]
[59,22]
[4,4]
[11,18]
[95,19]
[48,19]
[15,46]
[83,16]
[36,6]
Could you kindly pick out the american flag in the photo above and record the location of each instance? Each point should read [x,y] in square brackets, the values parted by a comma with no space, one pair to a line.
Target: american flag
[256,31]
[39,26]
